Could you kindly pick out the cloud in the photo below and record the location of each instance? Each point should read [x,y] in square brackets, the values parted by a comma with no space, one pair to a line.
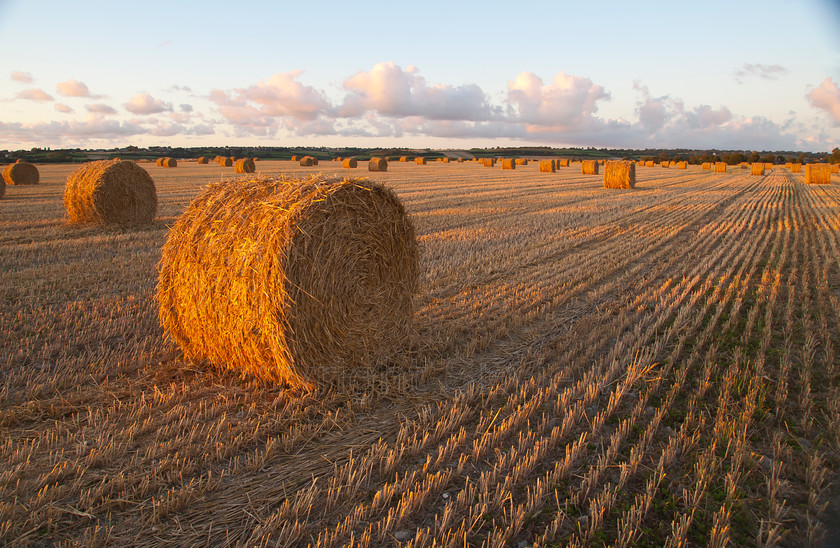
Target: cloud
[186,108]
[143,103]
[67,132]
[100,108]
[568,103]
[391,91]
[826,97]
[22,77]
[279,96]
[74,88]
[767,72]
[34,94]
[176,87]
[61,107]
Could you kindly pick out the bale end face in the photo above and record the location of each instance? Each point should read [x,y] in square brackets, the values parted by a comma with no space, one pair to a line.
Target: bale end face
[203,160]
[225,161]
[589,167]
[21,173]
[110,192]
[296,281]
[307,161]
[564,162]
[817,174]
[169,162]
[620,174]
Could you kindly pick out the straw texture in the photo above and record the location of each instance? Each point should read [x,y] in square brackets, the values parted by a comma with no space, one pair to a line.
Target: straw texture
[110,192]
[378,164]
[817,174]
[21,173]
[620,174]
[589,167]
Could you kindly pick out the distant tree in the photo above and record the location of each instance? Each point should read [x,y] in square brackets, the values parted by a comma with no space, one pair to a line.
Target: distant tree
[835,156]
[768,158]
[780,159]
[754,157]
[801,158]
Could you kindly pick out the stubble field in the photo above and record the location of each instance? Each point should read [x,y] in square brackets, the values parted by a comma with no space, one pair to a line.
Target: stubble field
[647,367]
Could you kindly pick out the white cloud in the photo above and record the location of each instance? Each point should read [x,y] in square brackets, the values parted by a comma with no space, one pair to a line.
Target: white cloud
[100,108]
[568,103]
[61,107]
[766,72]
[143,103]
[67,132]
[34,94]
[74,88]
[22,77]
[279,96]
[826,97]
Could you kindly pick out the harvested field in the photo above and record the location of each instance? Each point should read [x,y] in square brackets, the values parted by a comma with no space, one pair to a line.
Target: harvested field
[632,368]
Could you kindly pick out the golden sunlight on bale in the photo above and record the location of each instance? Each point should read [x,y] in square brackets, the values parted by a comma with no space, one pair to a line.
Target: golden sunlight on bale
[21,173]
[244,165]
[445,160]
[349,163]
[159,162]
[203,160]
[488,162]
[522,161]
[706,165]
[620,174]
[564,162]
[508,163]
[720,167]
[302,281]
[307,161]
[294,159]
[834,168]
[378,164]
[110,192]
[403,158]
[224,161]
[817,174]
[663,164]
[169,162]
[757,168]
[547,166]
[796,168]
[589,167]
[649,163]
[672,163]
[682,165]
[420,160]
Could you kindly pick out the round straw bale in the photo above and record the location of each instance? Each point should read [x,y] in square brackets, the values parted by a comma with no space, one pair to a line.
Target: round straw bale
[589,167]
[508,163]
[244,165]
[159,162]
[170,162]
[445,160]
[378,164]
[21,173]
[620,174]
[403,158]
[547,166]
[294,159]
[203,160]
[349,163]
[19,160]
[307,161]
[420,160]
[110,191]
[301,281]
[224,161]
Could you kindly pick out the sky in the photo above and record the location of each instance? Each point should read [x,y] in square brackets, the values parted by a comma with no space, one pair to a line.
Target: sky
[747,75]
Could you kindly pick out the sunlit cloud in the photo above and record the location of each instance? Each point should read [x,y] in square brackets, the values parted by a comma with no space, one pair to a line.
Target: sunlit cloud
[22,77]
[34,94]
[826,97]
[143,103]
[74,88]
[281,95]
[100,108]
[61,107]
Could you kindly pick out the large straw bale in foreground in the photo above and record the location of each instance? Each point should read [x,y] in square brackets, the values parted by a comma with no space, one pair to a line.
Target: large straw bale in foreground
[350,163]
[720,167]
[21,173]
[304,281]
[548,166]
[589,167]
[110,192]
[757,168]
[620,174]
[817,174]
[378,164]
[244,165]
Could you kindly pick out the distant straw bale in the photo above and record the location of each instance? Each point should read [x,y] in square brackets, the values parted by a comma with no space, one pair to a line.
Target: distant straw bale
[159,162]
[110,192]
[203,160]
[663,164]
[508,163]
[682,165]
[403,158]
[522,161]
[589,167]
[489,162]
[706,165]
[649,163]
[460,160]
[307,161]
[378,164]
[768,166]
[294,159]
[672,163]
[757,168]
[817,174]
[169,162]
[564,162]
[720,167]
[21,173]
[796,168]
[420,160]
[224,161]
[620,174]
[350,163]
[547,166]
[298,281]
[445,160]
[244,165]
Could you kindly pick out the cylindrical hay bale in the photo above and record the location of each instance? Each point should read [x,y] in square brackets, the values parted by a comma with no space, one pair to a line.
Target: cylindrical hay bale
[420,160]
[203,160]
[314,160]
[649,163]
[159,162]
[21,173]
[110,192]
[508,163]
[589,167]
[169,162]
[378,164]
[564,162]
[403,158]
[720,167]
[682,165]
[307,161]
[796,168]
[547,166]
[294,159]
[244,165]
[834,168]
[672,163]
[445,160]
[620,174]
[817,174]
[757,169]
[19,160]
[663,164]
[768,166]
[522,161]
[489,162]
[350,163]
[304,282]
[224,161]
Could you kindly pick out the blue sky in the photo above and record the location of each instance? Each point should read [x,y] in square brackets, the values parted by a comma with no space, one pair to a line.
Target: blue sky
[750,75]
